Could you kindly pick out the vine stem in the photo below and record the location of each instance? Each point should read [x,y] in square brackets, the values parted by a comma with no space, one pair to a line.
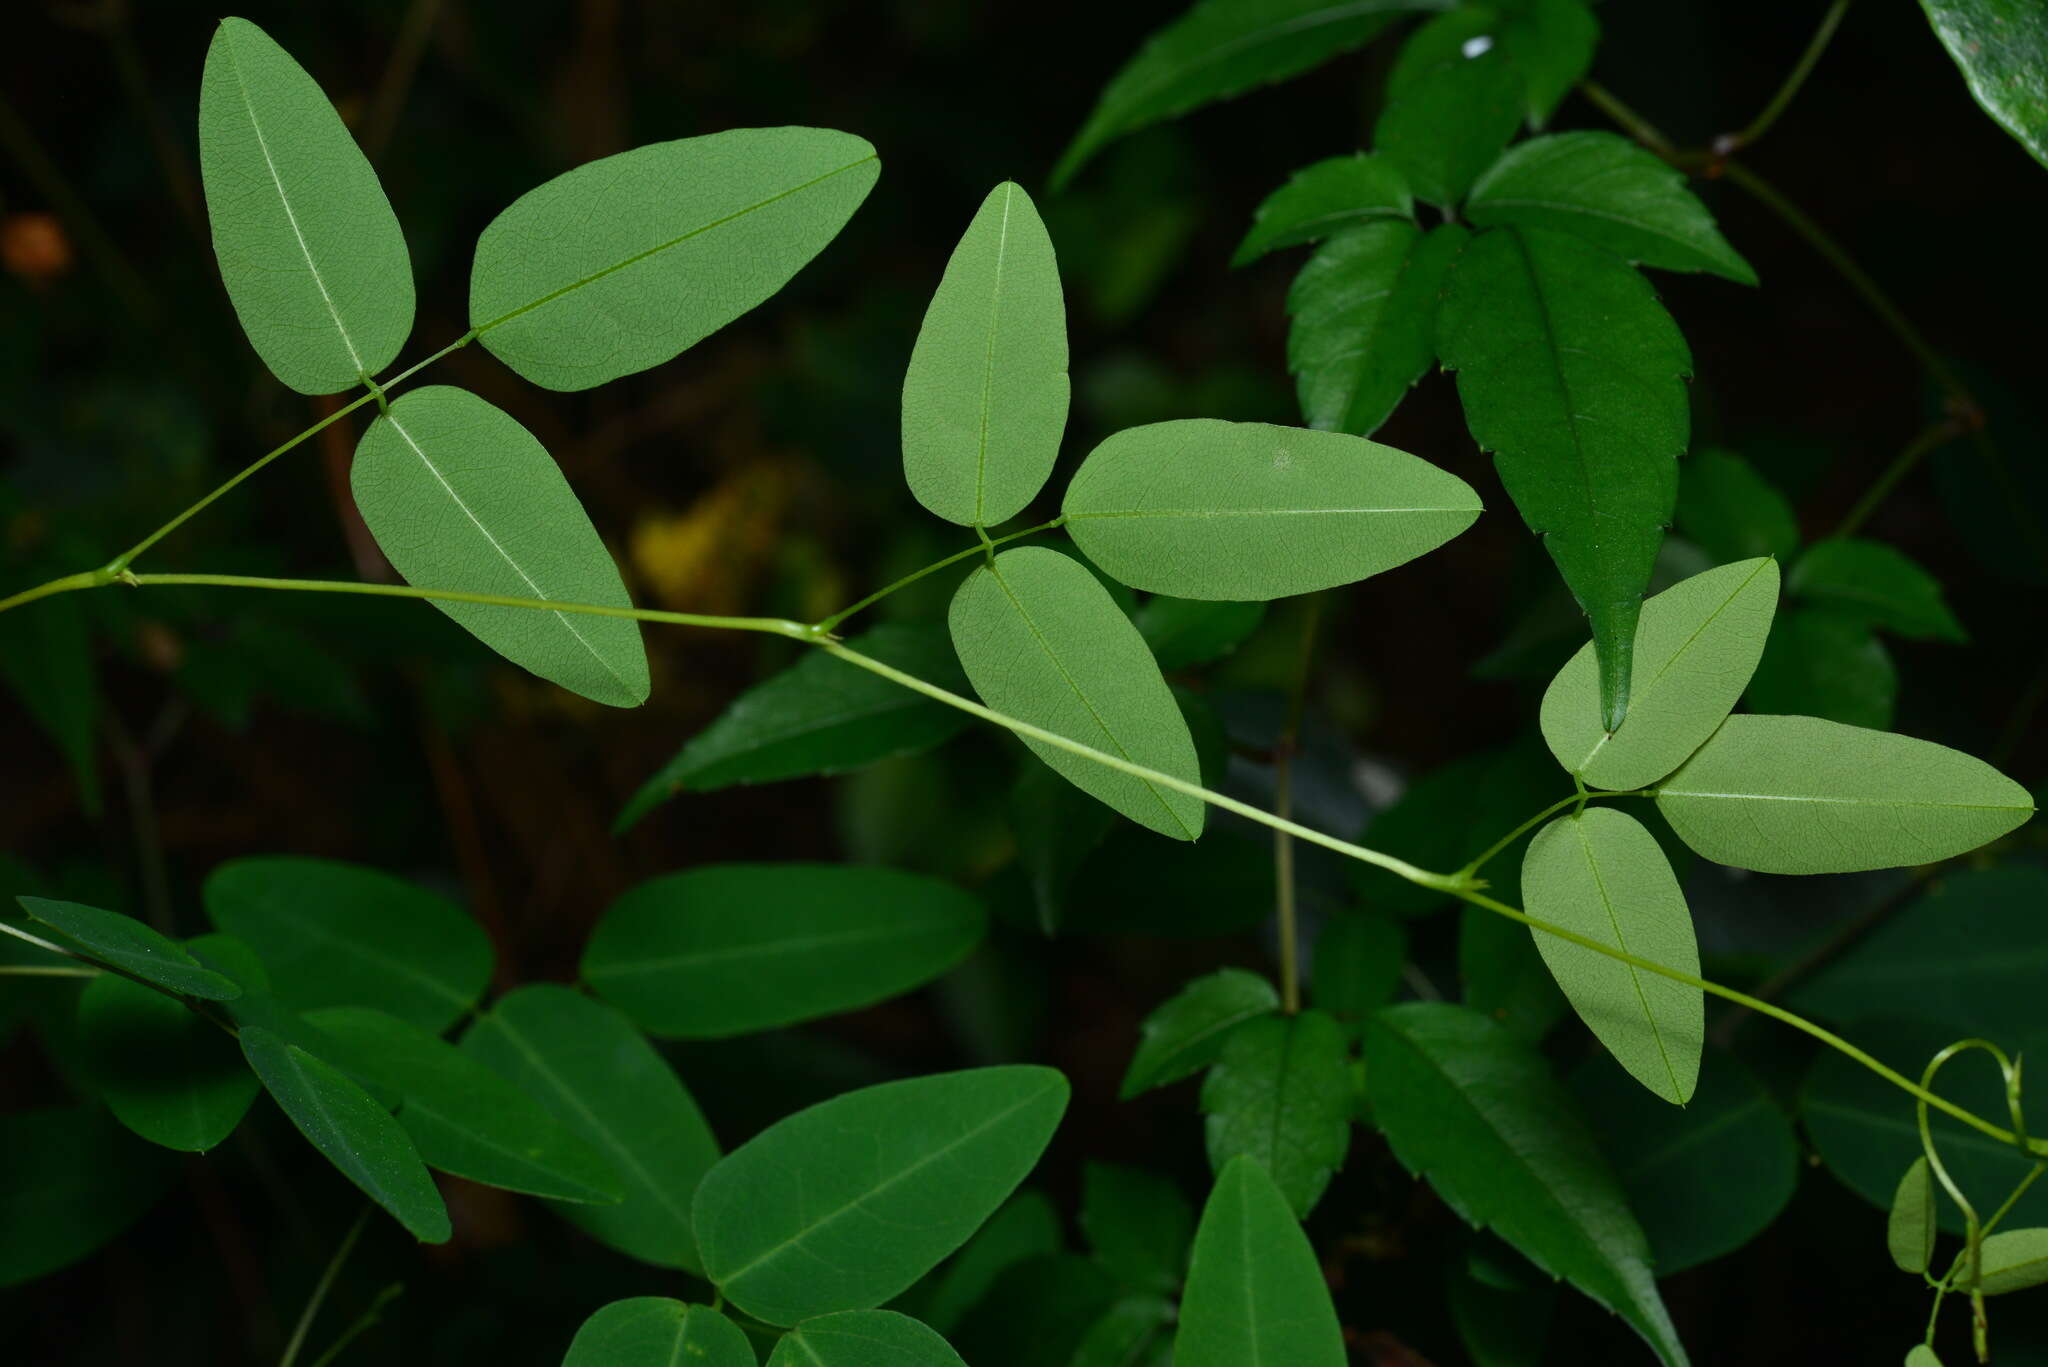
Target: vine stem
[1932,438]
[1283,807]
[322,1287]
[1788,88]
[980,547]
[1577,799]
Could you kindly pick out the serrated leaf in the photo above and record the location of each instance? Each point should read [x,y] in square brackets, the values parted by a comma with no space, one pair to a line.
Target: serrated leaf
[1239,510]
[1730,511]
[1357,964]
[843,1205]
[461,497]
[1221,48]
[1875,584]
[1912,1224]
[1281,1093]
[1600,873]
[654,1331]
[1042,641]
[629,260]
[71,1183]
[985,397]
[2001,47]
[2013,1260]
[1446,120]
[1255,1292]
[1612,193]
[1478,1113]
[819,716]
[1820,663]
[863,1338]
[1696,645]
[334,934]
[1323,199]
[734,948]
[1137,1223]
[1547,44]
[1802,795]
[311,254]
[1185,632]
[1026,1227]
[464,1118]
[1364,313]
[46,658]
[132,947]
[1572,375]
[351,1130]
[1187,1032]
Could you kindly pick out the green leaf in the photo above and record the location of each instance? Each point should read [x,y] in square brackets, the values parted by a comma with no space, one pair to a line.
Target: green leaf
[1221,48]
[355,1134]
[654,1331]
[1280,1092]
[464,1118]
[1572,375]
[1043,642]
[1465,1104]
[1499,1326]
[46,658]
[1920,1355]
[1364,329]
[1135,1332]
[2001,47]
[1546,44]
[132,947]
[1039,1313]
[1612,193]
[1026,1227]
[2013,1260]
[629,260]
[1240,510]
[461,497]
[1255,1292]
[1704,1179]
[1731,512]
[1321,200]
[73,1180]
[843,1205]
[1504,975]
[1185,632]
[819,716]
[310,252]
[733,948]
[1911,1227]
[1820,663]
[1187,1032]
[1801,795]
[1446,120]
[601,1079]
[1057,827]
[1600,873]
[1877,585]
[1137,1223]
[985,397]
[1454,813]
[333,934]
[1358,962]
[863,1338]
[1696,646]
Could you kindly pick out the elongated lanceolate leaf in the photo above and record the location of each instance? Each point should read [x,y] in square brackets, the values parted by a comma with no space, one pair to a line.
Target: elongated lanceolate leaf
[1601,874]
[1912,1224]
[1873,583]
[1802,795]
[985,397]
[461,497]
[654,1331]
[1281,1093]
[1364,329]
[627,261]
[73,1180]
[863,1338]
[128,944]
[1572,375]
[1043,641]
[310,252]
[2001,47]
[1255,1292]
[1324,199]
[843,1205]
[1186,1033]
[1242,510]
[1696,646]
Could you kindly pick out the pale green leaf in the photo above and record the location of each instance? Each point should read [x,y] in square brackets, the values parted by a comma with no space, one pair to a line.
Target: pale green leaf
[2001,47]
[72,1181]
[2013,1260]
[654,1331]
[1187,1032]
[1920,1355]
[1801,795]
[1137,1222]
[1730,511]
[1820,663]
[629,260]
[1280,1093]
[1240,510]
[1255,1291]
[1912,1224]
[985,397]
[1043,642]
[132,947]
[863,1338]
[461,497]
[1875,584]
[311,254]
[734,948]
[1324,199]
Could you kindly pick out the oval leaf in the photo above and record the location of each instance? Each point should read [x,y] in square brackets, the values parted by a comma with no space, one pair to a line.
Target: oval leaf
[1281,1093]
[1137,1223]
[170,1075]
[1043,641]
[71,1183]
[461,497]
[1876,585]
[2014,1259]
[604,1081]
[1255,1292]
[1326,198]
[310,252]
[133,947]
[741,947]
[654,1331]
[627,261]
[1187,1032]
[863,1338]
[845,1204]
[1603,875]
[1802,795]
[2001,47]
[1910,1229]
[1242,510]
[1820,663]
[985,397]
[1696,646]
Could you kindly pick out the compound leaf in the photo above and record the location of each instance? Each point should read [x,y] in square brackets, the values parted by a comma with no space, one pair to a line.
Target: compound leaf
[1448,114]
[133,947]
[1281,1093]
[1875,584]
[1187,1032]
[1820,663]
[1321,200]
[654,1331]
[863,1338]
[1731,512]
[1255,1292]
[1545,44]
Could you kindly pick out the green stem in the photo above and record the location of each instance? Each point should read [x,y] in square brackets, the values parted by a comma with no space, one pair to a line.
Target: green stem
[90,579]
[362,1325]
[322,1287]
[1283,807]
[1934,437]
[1634,124]
[980,547]
[46,971]
[1577,799]
[1808,59]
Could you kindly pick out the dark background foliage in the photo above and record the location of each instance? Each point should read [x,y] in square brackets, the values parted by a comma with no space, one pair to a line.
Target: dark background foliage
[758,472]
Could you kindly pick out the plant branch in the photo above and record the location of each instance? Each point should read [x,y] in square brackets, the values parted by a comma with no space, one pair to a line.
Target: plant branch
[1577,799]
[1931,438]
[362,1325]
[978,548]
[322,1287]
[1808,59]
[1283,807]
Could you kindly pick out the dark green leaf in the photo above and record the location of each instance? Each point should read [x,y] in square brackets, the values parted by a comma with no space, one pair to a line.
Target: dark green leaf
[1135,1332]
[1820,663]
[1026,1227]
[1324,199]
[1465,1104]
[1039,1313]
[1358,961]
[133,947]
[1187,1032]
[1280,1093]
[167,1073]
[1498,1326]
[46,658]
[1547,44]
[1185,632]
[1137,1223]
[1255,1293]
[72,1181]
[1057,828]
[1912,1224]
[2013,1260]
[2001,47]
[733,948]
[654,1331]
[1731,511]
[1364,331]
[863,1338]
[627,261]
[1504,976]
[843,1205]
[1454,813]
[1446,120]
[1876,584]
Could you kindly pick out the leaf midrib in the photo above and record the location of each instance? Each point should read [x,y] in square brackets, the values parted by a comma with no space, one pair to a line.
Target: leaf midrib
[795,946]
[1635,976]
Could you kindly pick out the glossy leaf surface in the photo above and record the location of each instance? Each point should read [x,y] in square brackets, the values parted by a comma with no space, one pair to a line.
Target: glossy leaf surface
[1324,199]
[654,1331]
[2001,47]
[863,1338]
[1280,1093]
[169,1075]
[128,944]
[1255,1292]
[1544,45]
[1187,1032]
[1449,111]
